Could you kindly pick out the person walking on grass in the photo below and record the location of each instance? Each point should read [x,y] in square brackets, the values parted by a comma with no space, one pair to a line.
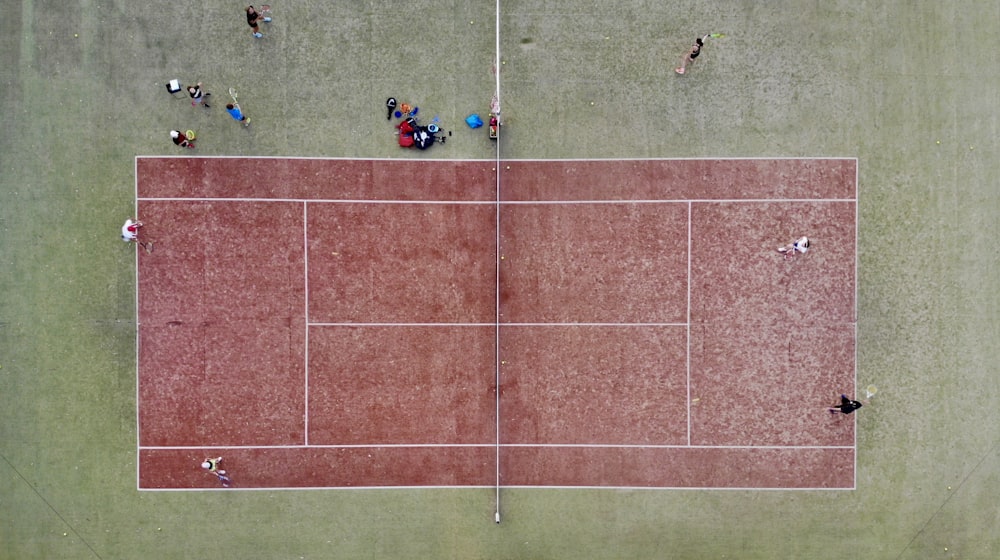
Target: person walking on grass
[212,466]
[799,246]
[846,406]
[237,114]
[198,96]
[130,234]
[691,54]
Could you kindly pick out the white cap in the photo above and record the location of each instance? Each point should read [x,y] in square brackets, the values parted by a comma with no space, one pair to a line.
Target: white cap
[174,134]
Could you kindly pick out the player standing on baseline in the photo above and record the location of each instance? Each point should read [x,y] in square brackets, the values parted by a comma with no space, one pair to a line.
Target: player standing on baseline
[212,466]
[846,406]
[799,246]
[130,234]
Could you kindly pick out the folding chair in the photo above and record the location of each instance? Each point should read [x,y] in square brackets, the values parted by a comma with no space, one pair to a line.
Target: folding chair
[174,87]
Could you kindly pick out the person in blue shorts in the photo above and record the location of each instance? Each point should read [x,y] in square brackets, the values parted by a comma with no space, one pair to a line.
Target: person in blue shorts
[235,112]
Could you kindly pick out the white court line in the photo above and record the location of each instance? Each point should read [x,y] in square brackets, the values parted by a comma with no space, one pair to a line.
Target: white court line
[496,74]
[688,325]
[737,158]
[700,488]
[502,324]
[669,446]
[402,324]
[319,446]
[503,202]
[491,445]
[677,201]
[135,209]
[332,158]
[491,160]
[305,357]
[857,281]
[513,486]
[321,200]
[593,324]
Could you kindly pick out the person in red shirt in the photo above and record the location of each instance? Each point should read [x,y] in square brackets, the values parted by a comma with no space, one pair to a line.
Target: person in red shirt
[181,140]
[406,130]
[130,234]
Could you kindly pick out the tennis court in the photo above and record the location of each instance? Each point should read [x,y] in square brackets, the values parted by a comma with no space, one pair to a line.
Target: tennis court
[328,323]
[891,83]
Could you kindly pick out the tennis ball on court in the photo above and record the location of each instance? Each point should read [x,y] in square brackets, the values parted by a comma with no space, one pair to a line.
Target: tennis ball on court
[938,141]
[972,147]
[508,167]
[471,22]
[76,34]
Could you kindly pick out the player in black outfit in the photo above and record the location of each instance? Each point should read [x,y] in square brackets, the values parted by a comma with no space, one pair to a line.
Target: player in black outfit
[846,406]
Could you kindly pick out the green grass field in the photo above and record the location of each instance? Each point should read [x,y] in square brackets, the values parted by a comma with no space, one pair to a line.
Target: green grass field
[907,86]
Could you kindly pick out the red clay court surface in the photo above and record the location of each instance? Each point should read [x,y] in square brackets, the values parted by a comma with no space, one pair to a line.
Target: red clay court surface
[343,323]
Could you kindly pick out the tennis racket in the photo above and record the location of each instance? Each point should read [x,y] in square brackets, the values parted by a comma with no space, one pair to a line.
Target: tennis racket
[870,391]
[265,13]
[232,93]
[716,35]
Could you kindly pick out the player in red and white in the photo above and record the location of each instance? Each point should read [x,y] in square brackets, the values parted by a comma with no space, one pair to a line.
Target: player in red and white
[130,234]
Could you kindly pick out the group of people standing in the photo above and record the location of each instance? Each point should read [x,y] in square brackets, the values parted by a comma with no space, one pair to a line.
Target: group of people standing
[199,96]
